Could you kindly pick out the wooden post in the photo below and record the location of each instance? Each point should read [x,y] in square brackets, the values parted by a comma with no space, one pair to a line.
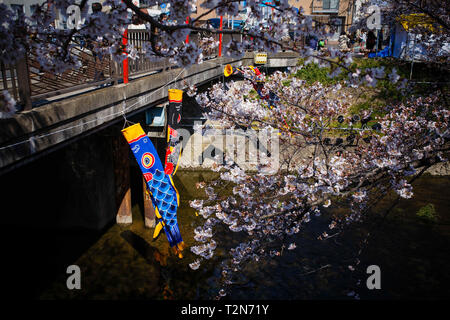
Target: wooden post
[23,79]
[220,37]
[149,211]
[124,215]
[125,62]
[122,180]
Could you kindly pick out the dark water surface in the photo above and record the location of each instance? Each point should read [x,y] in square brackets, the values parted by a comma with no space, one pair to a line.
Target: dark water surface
[122,262]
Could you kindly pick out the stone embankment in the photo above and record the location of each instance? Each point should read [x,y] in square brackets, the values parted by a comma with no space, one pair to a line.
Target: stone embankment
[213,141]
[440,169]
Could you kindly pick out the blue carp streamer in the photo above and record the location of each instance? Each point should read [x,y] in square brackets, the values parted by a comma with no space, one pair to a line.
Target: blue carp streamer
[164,195]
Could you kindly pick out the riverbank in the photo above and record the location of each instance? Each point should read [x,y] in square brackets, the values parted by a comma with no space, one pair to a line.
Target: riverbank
[205,147]
[439,169]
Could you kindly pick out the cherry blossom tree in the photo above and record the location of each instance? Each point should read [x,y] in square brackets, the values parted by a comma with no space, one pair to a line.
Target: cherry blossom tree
[407,139]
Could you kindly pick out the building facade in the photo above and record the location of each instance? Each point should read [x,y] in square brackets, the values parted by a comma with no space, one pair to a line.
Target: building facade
[335,14]
[340,12]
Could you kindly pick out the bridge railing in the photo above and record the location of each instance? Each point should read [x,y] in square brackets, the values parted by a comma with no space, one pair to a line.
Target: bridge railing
[29,84]
[142,65]
[95,70]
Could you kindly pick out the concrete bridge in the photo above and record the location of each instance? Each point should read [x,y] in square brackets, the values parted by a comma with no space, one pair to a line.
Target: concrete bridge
[72,115]
[66,164]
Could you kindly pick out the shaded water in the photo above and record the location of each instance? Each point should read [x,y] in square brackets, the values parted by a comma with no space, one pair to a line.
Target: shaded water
[413,256]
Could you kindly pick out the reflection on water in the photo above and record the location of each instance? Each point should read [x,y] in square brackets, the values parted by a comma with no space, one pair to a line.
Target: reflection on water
[413,255]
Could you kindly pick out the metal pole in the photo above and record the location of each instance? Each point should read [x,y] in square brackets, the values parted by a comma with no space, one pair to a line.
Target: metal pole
[125,61]
[187,37]
[220,37]
[413,55]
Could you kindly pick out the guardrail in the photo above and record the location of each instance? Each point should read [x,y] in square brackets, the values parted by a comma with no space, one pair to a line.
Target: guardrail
[29,84]
[142,65]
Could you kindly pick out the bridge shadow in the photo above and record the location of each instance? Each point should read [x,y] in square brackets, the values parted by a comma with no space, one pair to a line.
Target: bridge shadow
[151,254]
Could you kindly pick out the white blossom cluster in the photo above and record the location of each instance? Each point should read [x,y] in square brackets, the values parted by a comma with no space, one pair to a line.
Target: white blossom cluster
[8,109]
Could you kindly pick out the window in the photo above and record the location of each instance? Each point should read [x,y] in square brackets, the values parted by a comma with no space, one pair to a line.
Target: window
[330,4]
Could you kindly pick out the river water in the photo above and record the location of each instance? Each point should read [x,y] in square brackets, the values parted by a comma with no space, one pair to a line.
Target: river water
[124,263]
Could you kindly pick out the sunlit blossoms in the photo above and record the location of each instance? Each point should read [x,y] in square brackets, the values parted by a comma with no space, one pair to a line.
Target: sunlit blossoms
[195,265]
[268,207]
